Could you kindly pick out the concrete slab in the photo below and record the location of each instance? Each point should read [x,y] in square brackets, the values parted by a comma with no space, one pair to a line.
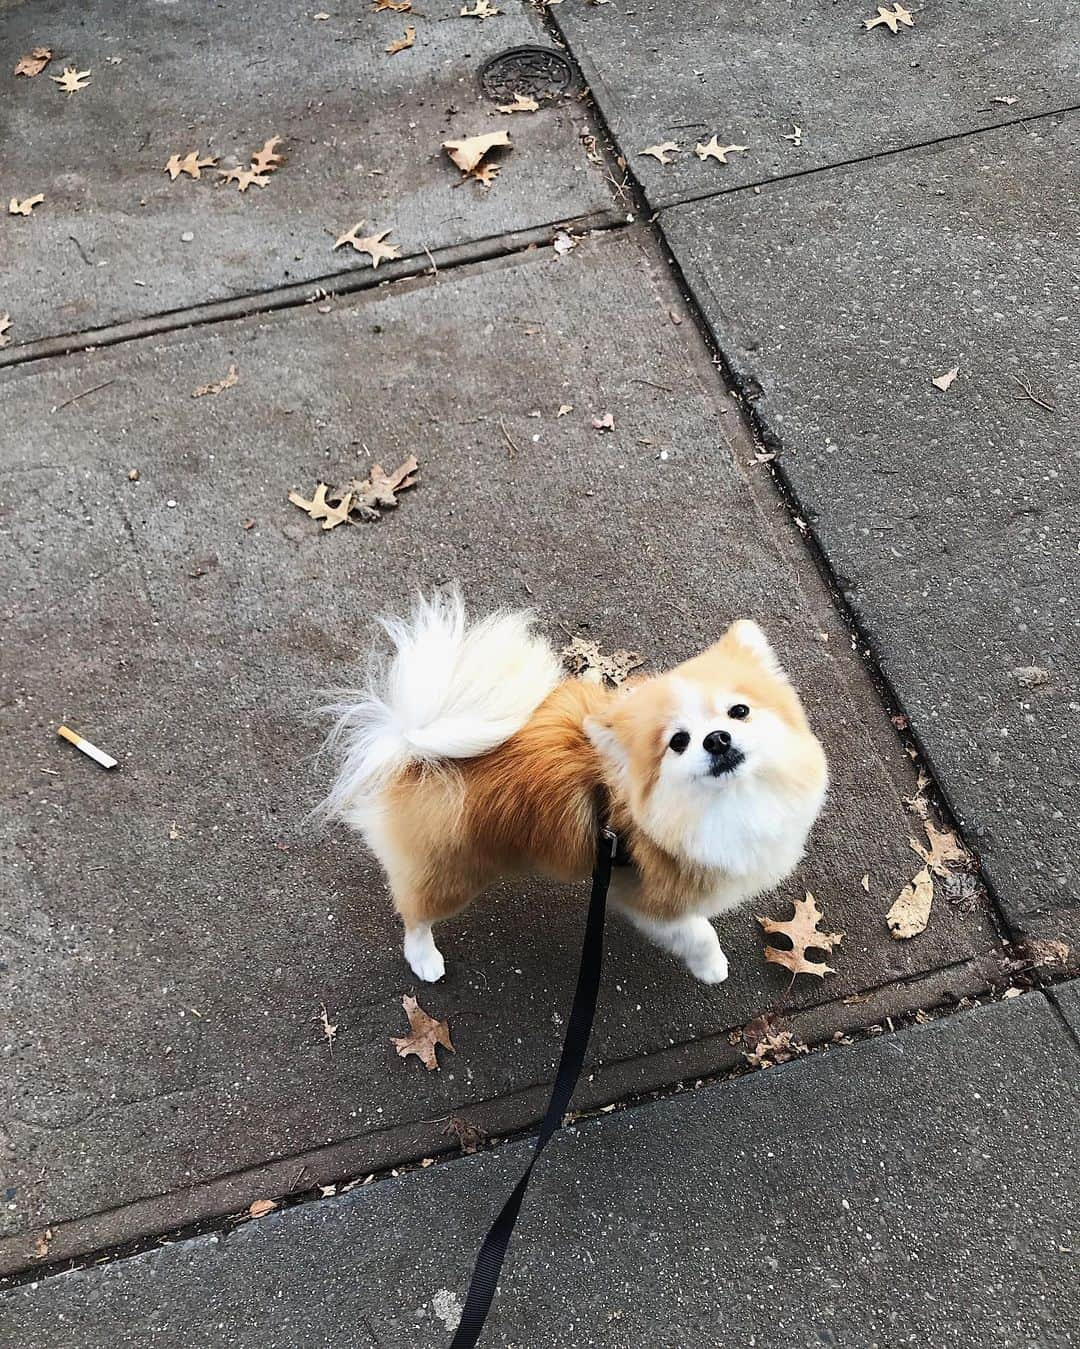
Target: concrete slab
[949,518]
[752,73]
[915,1189]
[175,927]
[1067,998]
[115,238]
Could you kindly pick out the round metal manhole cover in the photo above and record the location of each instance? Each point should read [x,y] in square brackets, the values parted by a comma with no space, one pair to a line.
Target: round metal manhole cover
[537,72]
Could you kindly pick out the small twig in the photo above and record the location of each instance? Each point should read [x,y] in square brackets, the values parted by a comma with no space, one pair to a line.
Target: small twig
[82,251]
[653,384]
[513,449]
[434,268]
[1029,394]
[75,398]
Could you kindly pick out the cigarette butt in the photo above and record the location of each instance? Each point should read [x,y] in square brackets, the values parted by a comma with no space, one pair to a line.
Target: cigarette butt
[91,750]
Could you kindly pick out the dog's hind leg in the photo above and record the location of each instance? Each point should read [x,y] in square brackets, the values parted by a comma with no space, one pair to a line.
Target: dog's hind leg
[420,906]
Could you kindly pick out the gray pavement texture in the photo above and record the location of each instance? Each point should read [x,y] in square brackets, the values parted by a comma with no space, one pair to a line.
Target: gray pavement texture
[177,926]
[949,518]
[750,74]
[361,136]
[918,1189]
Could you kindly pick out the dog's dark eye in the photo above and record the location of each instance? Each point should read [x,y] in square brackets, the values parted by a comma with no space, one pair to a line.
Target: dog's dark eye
[679,741]
[739,712]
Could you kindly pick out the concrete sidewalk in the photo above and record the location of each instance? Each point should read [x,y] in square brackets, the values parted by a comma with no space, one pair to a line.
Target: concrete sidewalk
[765,346]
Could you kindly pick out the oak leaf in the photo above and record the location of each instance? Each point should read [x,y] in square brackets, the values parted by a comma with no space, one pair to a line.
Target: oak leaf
[329,1028]
[891,18]
[484,174]
[469,1136]
[584,658]
[662,152]
[424,1034]
[330,513]
[379,489]
[5,324]
[398,6]
[945,850]
[803,932]
[218,386]
[775,1046]
[482,9]
[35,63]
[712,149]
[71,80]
[371,244]
[403,43]
[911,909]
[468,153]
[243,178]
[24,207]
[266,159]
[261,1207]
[943,381]
[521,103]
[191,164]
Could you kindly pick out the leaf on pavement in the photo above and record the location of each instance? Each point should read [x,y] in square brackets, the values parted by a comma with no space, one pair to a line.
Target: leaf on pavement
[891,18]
[468,153]
[482,9]
[424,1034]
[371,244]
[521,103]
[218,386]
[379,489]
[191,164]
[803,933]
[71,80]
[5,324]
[244,178]
[403,43]
[329,1028]
[35,63]
[398,6]
[911,910]
[943,381]
[469,1136]
[604,423]
[775,1046]
[261,1207]
[712,149]
[945,851]
[266,159]
[584,658]
[319,508]
[564,408]
[24,207]
[664,152]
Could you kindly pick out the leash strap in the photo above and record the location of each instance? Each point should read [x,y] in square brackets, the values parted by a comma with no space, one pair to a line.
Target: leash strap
[492,1253]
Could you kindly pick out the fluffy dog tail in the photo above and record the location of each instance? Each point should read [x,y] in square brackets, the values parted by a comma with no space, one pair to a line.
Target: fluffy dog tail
[450,689]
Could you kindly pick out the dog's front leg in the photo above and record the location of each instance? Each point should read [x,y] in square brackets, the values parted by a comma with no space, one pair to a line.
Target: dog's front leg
[691,937]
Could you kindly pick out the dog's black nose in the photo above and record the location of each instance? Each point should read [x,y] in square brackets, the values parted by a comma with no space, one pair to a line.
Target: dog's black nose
[717,742]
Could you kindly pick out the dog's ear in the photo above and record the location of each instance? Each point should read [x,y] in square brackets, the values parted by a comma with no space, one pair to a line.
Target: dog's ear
[607,743]
[745,633]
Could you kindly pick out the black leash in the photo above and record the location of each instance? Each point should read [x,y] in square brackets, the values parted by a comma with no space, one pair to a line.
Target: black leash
[493,1251]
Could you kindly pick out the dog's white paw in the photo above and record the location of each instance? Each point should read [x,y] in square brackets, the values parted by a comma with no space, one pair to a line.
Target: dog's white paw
[424,957]
[710,966]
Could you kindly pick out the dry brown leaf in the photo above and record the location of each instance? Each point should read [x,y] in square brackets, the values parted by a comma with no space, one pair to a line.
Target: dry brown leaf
[330,513]
[71,80]
[712,149]
[261,1207]
[469,1136]
[371,244]
[1007,99]
[945,850]
[584,658]
[468,153]
[5,324]
[243,178]
[218,386]
[564,408]
[604,423]
[482,9]
[24,207]
[379,488]
[39,58]
[521,103]
[663,152]
[191,164]
[803,932]
[266,159]
[943,381]
[775,1046]
[918,804]
[424,1034]
[329,1028]
[484,174]
[403,43]
[398,6]
[911,910]
[891,18]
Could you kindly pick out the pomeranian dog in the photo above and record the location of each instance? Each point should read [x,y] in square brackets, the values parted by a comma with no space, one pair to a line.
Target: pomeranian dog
[469,755]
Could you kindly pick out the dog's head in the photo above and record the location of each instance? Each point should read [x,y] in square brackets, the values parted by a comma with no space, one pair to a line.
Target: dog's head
[715,759]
